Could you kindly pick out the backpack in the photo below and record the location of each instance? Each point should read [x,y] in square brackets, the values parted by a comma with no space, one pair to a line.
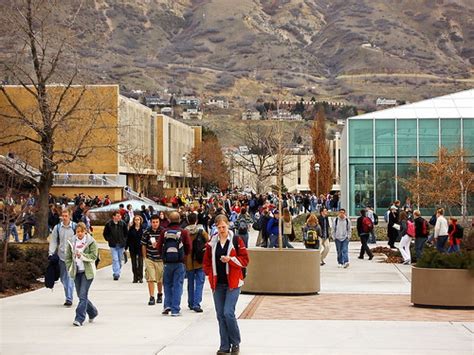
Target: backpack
[376,219]
[242,227]
[312,237]
[459,232]
[173,248]
[411,228]
[367,225]
[199,247]
[425,228]
[58,227]
[235,241]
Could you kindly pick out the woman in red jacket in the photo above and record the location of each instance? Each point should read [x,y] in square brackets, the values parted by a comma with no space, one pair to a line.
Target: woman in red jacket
[224,260]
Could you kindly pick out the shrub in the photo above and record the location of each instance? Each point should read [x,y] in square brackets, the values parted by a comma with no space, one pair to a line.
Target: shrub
[433,259]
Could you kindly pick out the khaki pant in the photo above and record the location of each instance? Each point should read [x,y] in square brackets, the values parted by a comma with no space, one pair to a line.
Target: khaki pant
[153,270]
[325,246]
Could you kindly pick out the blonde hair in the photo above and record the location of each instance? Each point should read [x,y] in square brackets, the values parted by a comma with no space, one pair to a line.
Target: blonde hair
[312,219]
[221,218]
[286,215]
[81,226]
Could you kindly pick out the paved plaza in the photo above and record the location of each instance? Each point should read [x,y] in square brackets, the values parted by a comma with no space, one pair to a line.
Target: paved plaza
[364,309]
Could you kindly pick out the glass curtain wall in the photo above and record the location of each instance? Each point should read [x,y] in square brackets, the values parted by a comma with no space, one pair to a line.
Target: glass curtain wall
[385,164]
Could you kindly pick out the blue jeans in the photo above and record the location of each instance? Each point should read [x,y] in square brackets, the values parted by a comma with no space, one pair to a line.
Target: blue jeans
[225,300]
[286,242]
[273,242]
[117,254]
[196,279]
[342,248]
[454,248]
[173,279]
[66,280]
[13,231]
[419,245]
[441,242]
[85,306]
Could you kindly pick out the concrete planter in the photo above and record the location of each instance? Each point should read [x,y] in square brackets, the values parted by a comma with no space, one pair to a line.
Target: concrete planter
[287,271]
[442,287]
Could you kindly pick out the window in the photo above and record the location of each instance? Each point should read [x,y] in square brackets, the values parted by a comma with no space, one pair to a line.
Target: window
[385,138]
[362,187]
[361,142]
[428,138]
[406,139]
[468,132]
[451,133]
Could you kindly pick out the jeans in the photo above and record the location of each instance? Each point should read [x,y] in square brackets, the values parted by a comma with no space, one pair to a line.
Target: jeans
[342,247]
[13,231]
[66,280]
[137,266]
[117,254]
[273,242]
[196,279]
[419,245]
[286,242]
[173,279]
[454,248]
[441,242]
[326,246]
[225,300]
[364,248]
[372,237]
[27,232]
[85,306]
[405,247]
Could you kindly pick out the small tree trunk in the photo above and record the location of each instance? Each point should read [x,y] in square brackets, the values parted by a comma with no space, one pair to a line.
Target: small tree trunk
[41,227]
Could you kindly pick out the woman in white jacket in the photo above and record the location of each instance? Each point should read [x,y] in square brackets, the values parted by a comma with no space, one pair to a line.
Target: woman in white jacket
[441,231]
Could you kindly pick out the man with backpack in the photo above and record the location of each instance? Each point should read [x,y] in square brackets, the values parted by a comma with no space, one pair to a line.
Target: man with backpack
[242,224]
[174,245]
[364,228]
[194,271]
[422,230]
[61,235]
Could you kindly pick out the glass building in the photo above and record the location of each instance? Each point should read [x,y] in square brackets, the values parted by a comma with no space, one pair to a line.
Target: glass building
[380,146]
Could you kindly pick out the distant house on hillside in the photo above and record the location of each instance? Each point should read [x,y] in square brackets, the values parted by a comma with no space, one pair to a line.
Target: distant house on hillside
[218,101]
[250,115]
[167,111]
[191,114]
[285,115]
[386,102]
[188,101]
[156,102]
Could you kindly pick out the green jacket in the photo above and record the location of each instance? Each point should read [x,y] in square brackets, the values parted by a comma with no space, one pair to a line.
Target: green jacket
[89,257]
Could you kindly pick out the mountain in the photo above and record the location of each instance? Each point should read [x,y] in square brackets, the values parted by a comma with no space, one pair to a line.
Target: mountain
[353,50]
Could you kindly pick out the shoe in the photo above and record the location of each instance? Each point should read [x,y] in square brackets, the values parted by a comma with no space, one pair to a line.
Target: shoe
[151,302]
[407,262]
[339,265]
[361,257]
[235,349]
[166,311]
[190,308]
[116,278]
[371,257]
[135,281]
[346,265]
[91,320]
[140,281]
[159,298]
[175,314]
[68,303]
[198,309]
[76,323]
[220,352]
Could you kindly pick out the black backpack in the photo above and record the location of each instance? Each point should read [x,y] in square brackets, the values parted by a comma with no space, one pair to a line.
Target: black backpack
[242,227]
[199,247]
[459,232]
[235,241]
[173,248]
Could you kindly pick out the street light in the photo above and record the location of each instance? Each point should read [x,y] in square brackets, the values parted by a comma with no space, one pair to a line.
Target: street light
[200,174]
[316,168]
[183,158]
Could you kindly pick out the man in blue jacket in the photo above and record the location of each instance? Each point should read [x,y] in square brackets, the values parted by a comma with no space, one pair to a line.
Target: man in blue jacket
[272,229]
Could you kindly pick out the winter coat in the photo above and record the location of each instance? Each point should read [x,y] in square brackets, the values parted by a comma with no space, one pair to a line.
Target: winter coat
[89,256]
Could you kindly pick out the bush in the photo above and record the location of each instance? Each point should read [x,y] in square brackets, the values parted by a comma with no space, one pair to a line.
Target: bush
[433,259]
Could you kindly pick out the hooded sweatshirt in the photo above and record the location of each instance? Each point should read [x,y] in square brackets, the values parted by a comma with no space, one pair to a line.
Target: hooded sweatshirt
[193,232]
[341,229]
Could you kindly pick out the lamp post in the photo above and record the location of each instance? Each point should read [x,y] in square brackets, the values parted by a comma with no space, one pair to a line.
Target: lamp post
[338,138]
[316,168]
[183,158]
[200,174]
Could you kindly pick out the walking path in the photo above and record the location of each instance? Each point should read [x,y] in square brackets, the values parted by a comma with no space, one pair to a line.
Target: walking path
[331,323]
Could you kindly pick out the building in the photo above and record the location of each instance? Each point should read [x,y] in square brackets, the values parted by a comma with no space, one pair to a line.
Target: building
[386,102]
[380,146]
[128,143]
[188,101]
[285,115]
[191,114]
[250,115]
[219,101]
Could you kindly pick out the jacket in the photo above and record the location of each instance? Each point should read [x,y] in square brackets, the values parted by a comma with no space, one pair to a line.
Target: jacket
[89,256]
[324,224]
[419,221]
[272,226]
[193,230]
[65,233]
[341,229]
[233,267]
[184,239]
[359,225]
[116,234]
[441,227]
[52,271]
[134,240]
[403,228]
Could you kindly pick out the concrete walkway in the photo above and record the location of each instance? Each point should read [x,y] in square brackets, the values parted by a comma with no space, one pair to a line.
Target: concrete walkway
[37,323]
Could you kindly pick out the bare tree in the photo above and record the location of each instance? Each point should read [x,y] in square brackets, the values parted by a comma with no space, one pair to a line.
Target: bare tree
[54,125]
[139,163]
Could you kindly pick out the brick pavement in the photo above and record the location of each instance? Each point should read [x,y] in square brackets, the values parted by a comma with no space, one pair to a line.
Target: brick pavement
[349,307]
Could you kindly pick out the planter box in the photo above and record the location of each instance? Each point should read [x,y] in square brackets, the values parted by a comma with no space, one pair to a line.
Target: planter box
[287,271]
[442,287]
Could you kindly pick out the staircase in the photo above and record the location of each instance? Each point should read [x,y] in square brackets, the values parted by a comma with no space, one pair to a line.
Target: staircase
[133,195]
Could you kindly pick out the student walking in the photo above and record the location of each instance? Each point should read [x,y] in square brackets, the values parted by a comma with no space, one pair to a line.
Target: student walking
[405,238]
[81,254]
[323,221]
[115,233]
[364,228]
[422,231]
[441,230]
[312,233]
[341,235]
[455,234]
[153,260]
[224,260]
[134,245]
[287,229]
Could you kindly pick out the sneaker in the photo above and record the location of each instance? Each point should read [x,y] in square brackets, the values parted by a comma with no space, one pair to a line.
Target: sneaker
[151,302]
[339,265]
[407,262]
[346,265]
[166,311]
[371,257]
[235,349]
[76,323]
[323,263]
[91,320]
[68,304]
[220,352]
[198,309]
[175,314]
[140,281]
[159,298]
[116,278]
[361,257]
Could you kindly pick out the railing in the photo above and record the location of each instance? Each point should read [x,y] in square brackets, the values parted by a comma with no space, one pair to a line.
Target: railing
[133,195]
[112,180]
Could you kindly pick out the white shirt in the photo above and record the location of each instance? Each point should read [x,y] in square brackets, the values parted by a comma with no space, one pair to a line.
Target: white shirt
[441,227]
[79,248]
